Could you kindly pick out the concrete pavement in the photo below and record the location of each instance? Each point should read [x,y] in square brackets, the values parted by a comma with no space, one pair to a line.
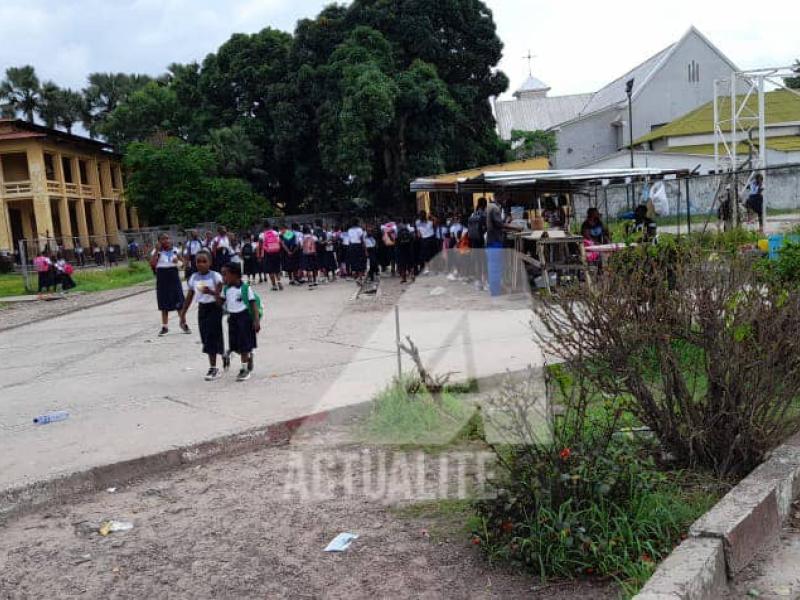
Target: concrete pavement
[130,393]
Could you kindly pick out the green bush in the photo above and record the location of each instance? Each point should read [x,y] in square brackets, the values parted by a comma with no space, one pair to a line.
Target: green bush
[584,499]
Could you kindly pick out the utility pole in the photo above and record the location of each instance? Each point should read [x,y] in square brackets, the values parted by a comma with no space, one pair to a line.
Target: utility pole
[629,92]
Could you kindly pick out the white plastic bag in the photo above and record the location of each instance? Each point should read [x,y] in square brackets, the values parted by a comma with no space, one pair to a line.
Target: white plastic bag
[658,196]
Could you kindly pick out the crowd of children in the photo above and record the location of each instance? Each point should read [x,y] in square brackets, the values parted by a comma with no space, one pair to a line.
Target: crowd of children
[53,271]
[220,270]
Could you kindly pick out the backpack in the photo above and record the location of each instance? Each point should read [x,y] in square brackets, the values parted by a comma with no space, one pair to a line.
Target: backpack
[272,242]
[246,294]
[290,239]
[476,226]
[404,236]
[247,251]
[69,269]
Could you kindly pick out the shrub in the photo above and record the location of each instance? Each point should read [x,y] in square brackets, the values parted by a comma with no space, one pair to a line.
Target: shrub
[577,498]
[707,350]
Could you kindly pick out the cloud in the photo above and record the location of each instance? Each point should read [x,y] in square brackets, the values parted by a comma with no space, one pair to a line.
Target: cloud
[579,45]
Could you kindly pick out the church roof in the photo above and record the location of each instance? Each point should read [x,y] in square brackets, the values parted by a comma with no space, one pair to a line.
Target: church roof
[532,84]
[532,114]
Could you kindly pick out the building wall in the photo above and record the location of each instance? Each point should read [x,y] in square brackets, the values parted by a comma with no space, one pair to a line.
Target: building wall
[45,204]
[586,140]
[670,94]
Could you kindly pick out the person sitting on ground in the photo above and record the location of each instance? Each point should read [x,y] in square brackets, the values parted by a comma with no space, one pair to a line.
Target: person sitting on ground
[593,228]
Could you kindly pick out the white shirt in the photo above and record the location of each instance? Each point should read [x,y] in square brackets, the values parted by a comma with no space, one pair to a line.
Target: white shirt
[236,252]
[355,235]
[193,247]
[370,242]
[425,229]
[167,259]
[222,241]
[234,303]
[201,284]
[456,229]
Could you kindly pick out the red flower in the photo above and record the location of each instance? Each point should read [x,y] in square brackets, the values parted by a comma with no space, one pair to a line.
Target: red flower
[565,454]
[507,526]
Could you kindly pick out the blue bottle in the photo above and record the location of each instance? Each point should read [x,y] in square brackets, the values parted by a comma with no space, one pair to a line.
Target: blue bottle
[51,417]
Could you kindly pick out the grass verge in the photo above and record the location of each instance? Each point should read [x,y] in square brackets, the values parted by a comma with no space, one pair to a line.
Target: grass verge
[90,280]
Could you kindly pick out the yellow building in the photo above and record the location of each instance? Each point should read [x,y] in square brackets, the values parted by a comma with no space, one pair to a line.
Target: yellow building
[58,188]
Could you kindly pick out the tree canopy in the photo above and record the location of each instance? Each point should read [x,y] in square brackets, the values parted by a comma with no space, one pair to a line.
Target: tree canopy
[352,105]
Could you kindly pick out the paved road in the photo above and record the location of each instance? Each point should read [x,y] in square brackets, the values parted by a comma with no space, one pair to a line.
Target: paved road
[130,393]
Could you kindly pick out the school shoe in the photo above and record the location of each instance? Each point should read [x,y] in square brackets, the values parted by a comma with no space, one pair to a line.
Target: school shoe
[243,375]
[213,374]
[164,331]
[186,329]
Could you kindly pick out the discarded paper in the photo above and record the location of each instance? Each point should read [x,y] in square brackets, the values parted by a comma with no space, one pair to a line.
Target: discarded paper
[341,542]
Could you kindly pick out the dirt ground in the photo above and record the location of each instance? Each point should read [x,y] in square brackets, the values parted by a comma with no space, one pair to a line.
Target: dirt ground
[14,314]
[232,529]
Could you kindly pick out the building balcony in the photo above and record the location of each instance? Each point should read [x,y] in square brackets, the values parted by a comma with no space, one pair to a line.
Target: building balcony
[72,189]
[87,191]
[17,188]
[54,187]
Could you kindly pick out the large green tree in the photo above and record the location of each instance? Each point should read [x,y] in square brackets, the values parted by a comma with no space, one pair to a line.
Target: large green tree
[175,182]
[61,107]
[20,93]
[105,92]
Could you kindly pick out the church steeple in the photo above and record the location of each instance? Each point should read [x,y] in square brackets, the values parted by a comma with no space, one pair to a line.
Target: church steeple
[532,88]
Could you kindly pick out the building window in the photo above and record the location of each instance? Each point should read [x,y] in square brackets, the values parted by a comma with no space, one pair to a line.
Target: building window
[49,167]
[694,72]
[83,173]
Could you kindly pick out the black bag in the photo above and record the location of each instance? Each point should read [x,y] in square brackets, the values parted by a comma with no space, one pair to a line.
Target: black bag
[476,225]
[404,236]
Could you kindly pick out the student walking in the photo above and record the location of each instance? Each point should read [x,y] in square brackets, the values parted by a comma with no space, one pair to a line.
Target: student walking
[44,267]
[244,318]
[169,293]
[292,253]
[329,263]
[405,252]
[64,273]
[250,259]
[310,262]
[371,246]
[221,249]
[206,286]
[193,247]
[271,247]
[357,252]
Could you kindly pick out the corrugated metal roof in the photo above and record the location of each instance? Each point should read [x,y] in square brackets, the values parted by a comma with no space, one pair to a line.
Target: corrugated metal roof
[614,92]
[780,106]
[532,114]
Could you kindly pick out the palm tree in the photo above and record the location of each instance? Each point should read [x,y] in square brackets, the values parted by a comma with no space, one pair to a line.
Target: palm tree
[20,92]
[105,93]
[49,103]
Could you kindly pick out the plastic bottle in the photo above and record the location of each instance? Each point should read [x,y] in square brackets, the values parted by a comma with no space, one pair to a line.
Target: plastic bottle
[51,417]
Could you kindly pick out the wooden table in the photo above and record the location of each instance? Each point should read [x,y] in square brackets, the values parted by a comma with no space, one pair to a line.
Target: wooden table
[551,250]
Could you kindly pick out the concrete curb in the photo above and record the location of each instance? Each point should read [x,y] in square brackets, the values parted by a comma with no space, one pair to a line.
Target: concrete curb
[136,290]
[729,536]
[15,502]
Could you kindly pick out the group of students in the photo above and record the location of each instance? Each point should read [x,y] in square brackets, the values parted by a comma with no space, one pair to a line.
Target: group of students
[220,270]
[53,271]
[217,292]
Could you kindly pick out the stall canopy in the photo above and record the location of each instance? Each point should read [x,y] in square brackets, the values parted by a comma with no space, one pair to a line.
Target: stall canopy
[542,181]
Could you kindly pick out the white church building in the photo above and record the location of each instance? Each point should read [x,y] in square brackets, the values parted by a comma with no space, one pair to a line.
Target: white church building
[592,128]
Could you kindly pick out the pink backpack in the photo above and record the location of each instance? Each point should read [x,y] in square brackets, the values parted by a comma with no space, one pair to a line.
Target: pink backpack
[272,242]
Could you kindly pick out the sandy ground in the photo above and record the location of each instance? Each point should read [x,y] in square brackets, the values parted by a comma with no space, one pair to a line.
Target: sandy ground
[775,575]
[255,527]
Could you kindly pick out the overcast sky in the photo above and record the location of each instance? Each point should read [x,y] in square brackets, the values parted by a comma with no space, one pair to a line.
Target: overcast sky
[579,46]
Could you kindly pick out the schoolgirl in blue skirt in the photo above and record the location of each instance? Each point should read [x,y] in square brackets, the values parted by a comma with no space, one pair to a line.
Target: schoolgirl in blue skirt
[165,263]
[206,286]
[244,323]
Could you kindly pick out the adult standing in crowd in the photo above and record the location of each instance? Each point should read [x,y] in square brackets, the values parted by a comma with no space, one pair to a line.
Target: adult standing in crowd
[496,228]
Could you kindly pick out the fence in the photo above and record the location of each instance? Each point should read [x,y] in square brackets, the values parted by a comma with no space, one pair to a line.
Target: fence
[694,200]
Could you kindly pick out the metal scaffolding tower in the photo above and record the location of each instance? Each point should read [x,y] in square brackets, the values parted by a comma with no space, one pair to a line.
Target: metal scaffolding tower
[743,120]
